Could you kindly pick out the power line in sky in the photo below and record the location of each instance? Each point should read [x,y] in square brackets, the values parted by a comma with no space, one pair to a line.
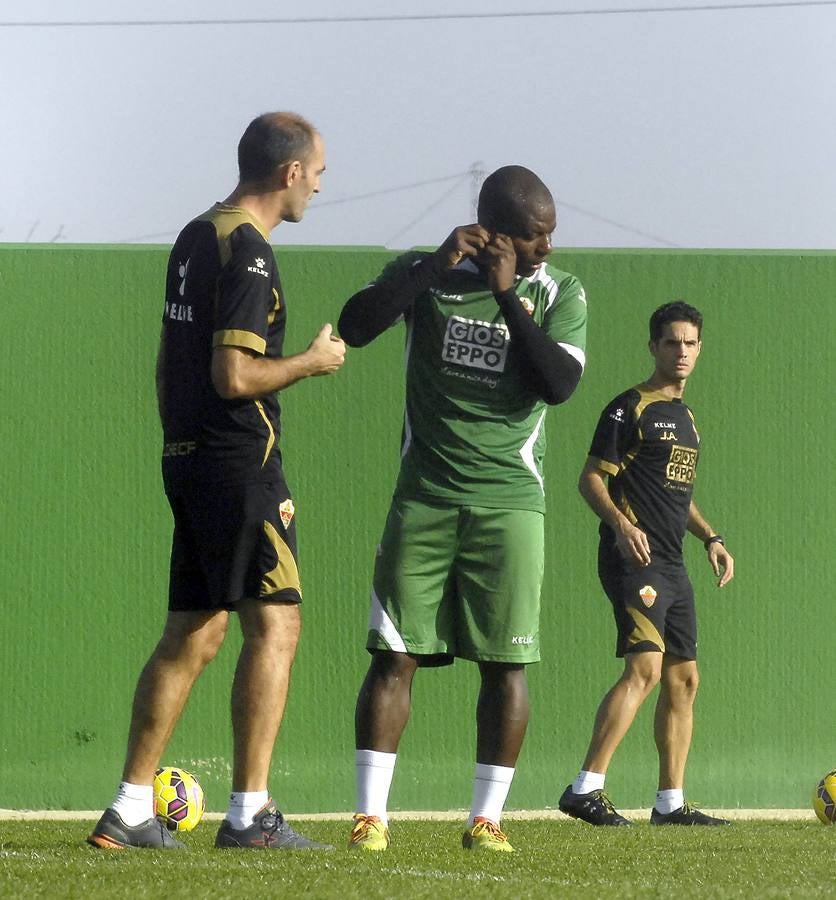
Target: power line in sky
[458,180]
[427,210]
[317,204]
[424,17]
[562,204]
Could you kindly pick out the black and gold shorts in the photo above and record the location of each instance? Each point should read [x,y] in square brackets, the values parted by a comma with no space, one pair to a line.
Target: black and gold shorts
[653,607]
[231,543]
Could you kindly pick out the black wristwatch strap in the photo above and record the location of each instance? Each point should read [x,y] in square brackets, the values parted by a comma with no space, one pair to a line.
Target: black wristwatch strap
[714,539]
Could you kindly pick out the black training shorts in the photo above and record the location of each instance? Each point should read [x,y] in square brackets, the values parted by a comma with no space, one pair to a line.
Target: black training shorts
[230,543]
[653,606]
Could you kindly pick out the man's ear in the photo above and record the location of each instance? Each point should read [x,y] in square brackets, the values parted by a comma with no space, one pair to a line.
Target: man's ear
[289,172]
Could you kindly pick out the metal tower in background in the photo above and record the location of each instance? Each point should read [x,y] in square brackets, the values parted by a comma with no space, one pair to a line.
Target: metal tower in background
[477,176]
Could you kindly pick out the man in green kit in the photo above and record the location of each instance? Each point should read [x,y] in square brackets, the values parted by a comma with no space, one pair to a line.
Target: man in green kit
[493,334]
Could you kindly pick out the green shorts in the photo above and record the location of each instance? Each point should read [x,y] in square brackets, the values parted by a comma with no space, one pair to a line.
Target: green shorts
[458,581]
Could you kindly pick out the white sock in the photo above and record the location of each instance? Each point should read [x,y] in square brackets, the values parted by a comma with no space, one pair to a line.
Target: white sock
[134,803]
[668,801]
[588,781]
[490,791]
[373,772]
[243,805]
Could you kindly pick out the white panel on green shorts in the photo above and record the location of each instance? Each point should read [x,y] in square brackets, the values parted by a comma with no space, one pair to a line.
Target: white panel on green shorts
[380,622]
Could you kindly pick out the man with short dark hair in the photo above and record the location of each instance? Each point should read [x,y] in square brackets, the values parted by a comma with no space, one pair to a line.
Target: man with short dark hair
[646,445]
[219,368]
[494,333]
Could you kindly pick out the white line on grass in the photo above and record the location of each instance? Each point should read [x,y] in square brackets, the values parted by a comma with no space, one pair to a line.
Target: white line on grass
[455,815]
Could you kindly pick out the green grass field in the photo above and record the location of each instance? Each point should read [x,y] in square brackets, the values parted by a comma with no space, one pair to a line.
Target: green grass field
[553,858]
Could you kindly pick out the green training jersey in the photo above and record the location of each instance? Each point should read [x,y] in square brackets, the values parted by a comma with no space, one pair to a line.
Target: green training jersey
[473,428]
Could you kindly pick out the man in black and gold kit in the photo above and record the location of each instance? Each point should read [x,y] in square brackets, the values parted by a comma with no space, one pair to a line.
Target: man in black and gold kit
[639,480]
[220,365]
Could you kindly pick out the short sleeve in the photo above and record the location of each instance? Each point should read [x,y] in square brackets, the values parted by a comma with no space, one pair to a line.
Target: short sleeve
[615,433]
[245,296]
[565,319]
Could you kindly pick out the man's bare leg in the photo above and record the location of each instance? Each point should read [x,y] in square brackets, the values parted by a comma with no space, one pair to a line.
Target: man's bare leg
[674,720]
[501,714]
[260,687]
[189,641]
[501,720]
[585,798]
[383,706]
[618,709]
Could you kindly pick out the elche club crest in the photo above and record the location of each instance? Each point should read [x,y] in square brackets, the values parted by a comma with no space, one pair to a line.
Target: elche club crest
[648,595]
[286,512]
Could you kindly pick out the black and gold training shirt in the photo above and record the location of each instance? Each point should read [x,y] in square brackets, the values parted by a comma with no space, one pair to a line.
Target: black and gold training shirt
[222,289]
[648,445]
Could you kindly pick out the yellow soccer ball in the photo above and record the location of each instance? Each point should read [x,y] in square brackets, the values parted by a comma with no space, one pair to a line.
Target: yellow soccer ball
[179,801]
[824,799]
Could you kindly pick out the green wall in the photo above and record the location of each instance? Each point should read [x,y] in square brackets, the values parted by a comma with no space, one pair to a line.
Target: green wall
[85,529]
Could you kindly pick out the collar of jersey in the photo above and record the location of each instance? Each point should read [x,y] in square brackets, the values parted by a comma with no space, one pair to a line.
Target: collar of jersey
[226,207]
[467,265]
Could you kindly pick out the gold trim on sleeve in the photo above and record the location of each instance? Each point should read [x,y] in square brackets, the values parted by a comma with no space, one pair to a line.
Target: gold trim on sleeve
[236,338]
[604,466]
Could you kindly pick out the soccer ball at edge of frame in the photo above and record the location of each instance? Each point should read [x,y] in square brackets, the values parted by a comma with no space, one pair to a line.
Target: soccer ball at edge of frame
[179,800]
[824,799]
